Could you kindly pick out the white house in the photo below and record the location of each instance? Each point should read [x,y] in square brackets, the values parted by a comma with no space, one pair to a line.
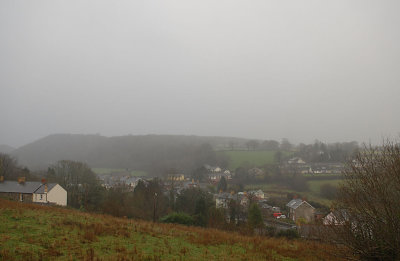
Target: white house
[33,191]
[51,193]
[296,160]
[217,169]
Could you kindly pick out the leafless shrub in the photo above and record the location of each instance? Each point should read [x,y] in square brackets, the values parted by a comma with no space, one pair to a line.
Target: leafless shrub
[368,216]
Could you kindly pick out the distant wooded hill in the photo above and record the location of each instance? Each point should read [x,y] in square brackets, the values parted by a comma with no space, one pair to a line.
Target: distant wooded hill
[152,153]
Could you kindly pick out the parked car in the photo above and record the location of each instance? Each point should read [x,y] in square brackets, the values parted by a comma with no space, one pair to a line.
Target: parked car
[277,215]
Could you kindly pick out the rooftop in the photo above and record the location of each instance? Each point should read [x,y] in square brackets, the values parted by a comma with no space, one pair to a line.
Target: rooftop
[25,187]
[295,203]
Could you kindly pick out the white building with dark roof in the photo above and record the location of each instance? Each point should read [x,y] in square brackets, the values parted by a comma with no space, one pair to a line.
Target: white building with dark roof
[33,191]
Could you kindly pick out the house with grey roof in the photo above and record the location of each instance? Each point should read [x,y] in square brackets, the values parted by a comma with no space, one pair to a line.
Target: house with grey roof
[299,208]
[259,194]
[296,160]
[336,217]
[222,200]
[33,191]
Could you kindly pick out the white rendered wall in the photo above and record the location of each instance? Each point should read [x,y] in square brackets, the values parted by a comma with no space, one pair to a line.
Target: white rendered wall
[36,198]
[57,195]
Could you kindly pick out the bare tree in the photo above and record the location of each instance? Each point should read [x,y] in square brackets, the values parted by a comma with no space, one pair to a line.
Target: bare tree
[368,209]
[252,144]
[8,166]
[232,145]
[285,145]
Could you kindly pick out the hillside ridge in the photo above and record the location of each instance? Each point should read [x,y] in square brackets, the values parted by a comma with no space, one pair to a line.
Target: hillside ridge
[136,152]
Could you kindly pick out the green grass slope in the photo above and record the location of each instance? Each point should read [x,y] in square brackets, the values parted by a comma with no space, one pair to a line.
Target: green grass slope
[33,232]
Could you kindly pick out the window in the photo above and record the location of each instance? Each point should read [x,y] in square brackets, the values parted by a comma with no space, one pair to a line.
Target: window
[41,196]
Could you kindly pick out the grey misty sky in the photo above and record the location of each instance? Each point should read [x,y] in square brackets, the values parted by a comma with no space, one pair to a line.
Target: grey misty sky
[304,70]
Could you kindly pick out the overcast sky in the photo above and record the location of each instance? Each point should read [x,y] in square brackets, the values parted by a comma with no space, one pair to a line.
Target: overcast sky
[303,70]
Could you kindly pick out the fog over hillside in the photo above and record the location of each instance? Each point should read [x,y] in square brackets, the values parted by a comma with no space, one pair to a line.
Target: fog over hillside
[152,153]
[6,149]
[301,70]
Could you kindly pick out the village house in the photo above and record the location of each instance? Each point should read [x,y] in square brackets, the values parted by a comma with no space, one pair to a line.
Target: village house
[299,208]
[212,169]
[326,168]
[296,160]
[130,181]
[242,198]
[190,184]
[33,191]
[258,194]
[217,169]
[336,217]
[215,177]
[176,177]
[256,173]
[222,200]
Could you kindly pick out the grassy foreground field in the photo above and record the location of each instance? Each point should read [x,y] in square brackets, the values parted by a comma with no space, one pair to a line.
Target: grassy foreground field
[33,232]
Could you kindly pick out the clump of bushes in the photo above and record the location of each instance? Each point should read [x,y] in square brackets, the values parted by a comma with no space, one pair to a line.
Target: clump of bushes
[290,233]
[178,218]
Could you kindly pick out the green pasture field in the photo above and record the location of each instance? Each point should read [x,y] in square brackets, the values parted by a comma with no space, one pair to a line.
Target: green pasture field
[239,158]
[315,185]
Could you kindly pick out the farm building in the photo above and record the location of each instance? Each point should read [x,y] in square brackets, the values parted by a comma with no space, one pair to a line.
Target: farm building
[33,191]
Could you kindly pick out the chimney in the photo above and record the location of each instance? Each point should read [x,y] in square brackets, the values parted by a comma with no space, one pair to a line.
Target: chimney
[21,180]
[1,178]
[45,188]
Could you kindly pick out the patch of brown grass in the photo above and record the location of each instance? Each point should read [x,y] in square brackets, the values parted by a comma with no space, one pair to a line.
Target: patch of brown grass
[90,227]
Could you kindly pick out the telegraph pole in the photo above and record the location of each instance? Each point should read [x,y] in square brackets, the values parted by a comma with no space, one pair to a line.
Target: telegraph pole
[155,207]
